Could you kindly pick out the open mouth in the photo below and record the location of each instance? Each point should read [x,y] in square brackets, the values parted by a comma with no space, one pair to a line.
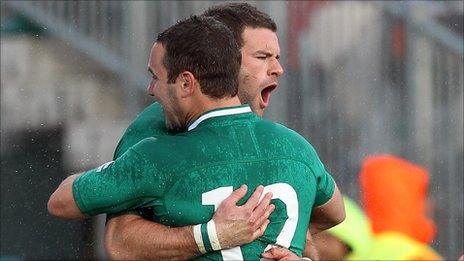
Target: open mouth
[266,94]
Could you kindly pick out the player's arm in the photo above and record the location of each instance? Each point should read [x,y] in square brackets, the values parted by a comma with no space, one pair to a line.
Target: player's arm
[62,204]
[328,209]
[310,249]
[328,214]
[132,237]
[124,184]
[94,192]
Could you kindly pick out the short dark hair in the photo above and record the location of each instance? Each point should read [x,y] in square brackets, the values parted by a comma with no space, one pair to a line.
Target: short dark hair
[206,48]
[239,15]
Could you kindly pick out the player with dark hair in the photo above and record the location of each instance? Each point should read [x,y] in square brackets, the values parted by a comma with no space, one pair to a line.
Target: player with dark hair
[225,145]
[131,236]
[255,33]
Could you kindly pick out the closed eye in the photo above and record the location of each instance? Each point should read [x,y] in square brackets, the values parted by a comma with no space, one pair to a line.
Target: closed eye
[153,75]
[262,55]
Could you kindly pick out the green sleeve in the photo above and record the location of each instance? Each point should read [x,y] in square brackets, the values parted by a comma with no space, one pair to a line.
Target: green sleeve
[128,183]
[325,182]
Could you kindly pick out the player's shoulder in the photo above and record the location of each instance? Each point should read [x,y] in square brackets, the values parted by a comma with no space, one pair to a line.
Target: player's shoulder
[279,130]
[169,154]
[160,146]
[152,143]
[152,112]
[287,139]
[150,120]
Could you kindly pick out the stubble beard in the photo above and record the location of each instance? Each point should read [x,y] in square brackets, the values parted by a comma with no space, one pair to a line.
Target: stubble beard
[172,123]
[172,118]
[243,91]
[247,98]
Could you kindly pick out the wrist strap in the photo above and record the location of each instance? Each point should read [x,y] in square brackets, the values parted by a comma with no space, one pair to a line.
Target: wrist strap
[206,237]
[212,234]
[198,238]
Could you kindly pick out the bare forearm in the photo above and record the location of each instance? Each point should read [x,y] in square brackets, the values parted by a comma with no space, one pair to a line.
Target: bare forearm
[132,237]
[62,204]
[318,227]
[310,249]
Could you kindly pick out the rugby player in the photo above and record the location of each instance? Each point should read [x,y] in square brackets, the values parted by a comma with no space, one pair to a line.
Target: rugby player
[195,66]
[256,35]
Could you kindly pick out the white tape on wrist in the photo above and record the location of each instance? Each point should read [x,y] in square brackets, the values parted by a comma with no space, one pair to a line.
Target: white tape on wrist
[199,238]
[212,234]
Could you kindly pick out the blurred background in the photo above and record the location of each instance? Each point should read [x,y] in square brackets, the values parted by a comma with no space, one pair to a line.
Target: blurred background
[360,78]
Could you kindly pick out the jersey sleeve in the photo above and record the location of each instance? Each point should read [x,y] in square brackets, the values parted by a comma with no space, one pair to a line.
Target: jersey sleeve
[128,183]
[325,182]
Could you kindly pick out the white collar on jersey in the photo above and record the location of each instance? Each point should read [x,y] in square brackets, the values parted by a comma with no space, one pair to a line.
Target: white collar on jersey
[217,113]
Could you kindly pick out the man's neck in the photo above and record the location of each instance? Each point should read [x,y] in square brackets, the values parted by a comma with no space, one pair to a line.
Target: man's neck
[211,104]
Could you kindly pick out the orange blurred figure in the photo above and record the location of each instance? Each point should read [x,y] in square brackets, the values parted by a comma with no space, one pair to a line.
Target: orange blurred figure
[394,197]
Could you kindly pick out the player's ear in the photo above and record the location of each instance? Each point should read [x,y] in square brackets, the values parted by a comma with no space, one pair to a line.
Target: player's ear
[189,83]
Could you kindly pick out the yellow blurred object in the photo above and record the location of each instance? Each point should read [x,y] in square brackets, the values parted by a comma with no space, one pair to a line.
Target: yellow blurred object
[396,246]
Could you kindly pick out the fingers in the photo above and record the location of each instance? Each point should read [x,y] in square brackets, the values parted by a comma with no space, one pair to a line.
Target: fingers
[254,199]
[268,254]
[260,210]
[281,254]
[263,216]
[236,195]
[277,253]
[260,231]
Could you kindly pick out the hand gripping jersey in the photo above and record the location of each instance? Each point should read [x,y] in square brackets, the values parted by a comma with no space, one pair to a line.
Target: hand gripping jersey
[183,178]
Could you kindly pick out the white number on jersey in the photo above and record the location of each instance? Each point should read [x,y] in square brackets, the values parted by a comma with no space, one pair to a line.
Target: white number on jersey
[282,191]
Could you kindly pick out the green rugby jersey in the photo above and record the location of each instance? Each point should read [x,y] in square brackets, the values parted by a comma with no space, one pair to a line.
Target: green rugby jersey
[182,178]
[149,123]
